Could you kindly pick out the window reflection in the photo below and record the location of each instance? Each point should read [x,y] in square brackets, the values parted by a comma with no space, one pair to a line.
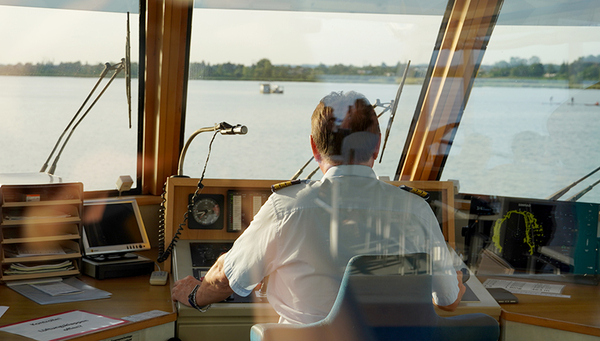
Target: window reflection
[530,126]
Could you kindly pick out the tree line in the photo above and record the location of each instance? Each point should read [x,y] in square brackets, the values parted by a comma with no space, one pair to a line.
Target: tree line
[264,70]
[582,69]
[75,69]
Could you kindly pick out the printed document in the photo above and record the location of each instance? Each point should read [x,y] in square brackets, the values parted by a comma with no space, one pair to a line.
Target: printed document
[528,288]
[63,325]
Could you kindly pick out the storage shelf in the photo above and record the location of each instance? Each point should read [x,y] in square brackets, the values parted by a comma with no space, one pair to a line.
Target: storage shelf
[45,274]
[29,259]
[41,275]
[40,219]
[41,239]
[41,203]
[32,234]
[37,221]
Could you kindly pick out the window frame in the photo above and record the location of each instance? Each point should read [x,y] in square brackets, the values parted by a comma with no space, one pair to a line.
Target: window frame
[465,30]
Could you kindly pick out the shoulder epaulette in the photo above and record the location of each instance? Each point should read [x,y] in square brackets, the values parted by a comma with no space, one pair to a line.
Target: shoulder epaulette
[285,184]
[419,192]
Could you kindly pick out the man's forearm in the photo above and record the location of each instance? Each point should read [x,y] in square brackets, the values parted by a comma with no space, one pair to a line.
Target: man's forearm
[215,286]
[461,291]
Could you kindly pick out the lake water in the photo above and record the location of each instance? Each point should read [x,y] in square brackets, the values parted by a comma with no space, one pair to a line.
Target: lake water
[512,140]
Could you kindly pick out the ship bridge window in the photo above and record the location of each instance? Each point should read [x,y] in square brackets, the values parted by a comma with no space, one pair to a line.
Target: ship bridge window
[51,60]
[239,57]
[530,128]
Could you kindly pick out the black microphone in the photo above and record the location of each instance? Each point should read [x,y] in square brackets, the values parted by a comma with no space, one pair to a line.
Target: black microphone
[228,129]
[224,128]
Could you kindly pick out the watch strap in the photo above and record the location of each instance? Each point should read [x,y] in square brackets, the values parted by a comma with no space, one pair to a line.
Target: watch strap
[192,301]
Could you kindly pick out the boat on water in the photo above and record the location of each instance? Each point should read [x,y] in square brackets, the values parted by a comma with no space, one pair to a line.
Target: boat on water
[267,88]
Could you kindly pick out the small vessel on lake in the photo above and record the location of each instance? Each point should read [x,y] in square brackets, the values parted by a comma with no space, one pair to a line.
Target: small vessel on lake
[267,88]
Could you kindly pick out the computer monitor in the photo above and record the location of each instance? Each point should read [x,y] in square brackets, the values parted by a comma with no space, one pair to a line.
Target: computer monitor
[113,228]
[536,236]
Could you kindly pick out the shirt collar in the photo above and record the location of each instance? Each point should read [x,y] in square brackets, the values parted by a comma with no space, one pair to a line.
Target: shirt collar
[349,170]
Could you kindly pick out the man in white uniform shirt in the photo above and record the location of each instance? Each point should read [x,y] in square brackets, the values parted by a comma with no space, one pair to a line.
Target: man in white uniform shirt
[306,232]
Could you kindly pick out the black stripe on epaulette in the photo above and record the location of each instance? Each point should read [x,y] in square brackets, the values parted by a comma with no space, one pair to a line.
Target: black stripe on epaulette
[419,192]
[285,184]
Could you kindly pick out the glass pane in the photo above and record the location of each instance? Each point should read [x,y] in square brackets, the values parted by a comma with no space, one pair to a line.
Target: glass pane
[51,60]
[531,125]
[309,55]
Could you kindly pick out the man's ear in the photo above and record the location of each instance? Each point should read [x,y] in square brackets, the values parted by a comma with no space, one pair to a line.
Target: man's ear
[376,153]
[314,149]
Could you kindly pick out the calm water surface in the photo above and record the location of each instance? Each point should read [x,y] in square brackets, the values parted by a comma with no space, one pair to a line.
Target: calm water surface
[512,141]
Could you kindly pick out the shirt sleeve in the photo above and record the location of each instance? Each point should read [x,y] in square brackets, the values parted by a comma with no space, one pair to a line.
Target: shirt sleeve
[252,255]
[445,282]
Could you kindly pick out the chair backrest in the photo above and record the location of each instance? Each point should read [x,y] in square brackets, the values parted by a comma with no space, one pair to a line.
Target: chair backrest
[392,295]
[408,264]
[389,298]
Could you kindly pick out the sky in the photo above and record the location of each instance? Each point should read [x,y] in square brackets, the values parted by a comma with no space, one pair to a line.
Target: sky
[32,35]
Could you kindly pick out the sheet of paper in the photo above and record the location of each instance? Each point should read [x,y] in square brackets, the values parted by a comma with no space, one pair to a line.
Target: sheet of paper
[56,288]
[88,293]
[3,309]
[63,325]
[528,288]
[34,281]
[145,315]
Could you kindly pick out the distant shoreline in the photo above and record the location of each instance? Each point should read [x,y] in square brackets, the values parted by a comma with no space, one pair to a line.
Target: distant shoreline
[534,83]
[580,74]
[479,82]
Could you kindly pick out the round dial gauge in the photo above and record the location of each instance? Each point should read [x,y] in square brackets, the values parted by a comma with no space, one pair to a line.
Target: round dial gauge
[206,211]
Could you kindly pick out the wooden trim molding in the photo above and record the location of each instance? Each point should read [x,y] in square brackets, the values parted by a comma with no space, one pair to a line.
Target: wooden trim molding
[167,34]
[465,32]
[550,323]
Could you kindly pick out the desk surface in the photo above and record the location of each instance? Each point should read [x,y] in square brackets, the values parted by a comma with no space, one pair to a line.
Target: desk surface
[580,313]
[130,296]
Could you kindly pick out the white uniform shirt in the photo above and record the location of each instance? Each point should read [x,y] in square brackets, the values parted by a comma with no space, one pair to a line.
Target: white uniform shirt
[289,240]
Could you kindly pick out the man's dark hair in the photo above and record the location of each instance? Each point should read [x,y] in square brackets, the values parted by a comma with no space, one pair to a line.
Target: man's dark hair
[345,128]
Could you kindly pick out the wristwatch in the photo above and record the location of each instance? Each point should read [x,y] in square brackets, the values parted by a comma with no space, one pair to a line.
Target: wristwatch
[192,300]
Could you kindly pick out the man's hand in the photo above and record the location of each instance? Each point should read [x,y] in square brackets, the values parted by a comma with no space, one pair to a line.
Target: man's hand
[213,288]
[182,289]
[461,291]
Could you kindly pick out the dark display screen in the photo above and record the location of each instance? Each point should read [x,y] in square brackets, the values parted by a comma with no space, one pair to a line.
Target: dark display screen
[538,236]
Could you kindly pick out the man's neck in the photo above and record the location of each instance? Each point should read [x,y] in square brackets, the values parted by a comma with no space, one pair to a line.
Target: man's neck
[325,166]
